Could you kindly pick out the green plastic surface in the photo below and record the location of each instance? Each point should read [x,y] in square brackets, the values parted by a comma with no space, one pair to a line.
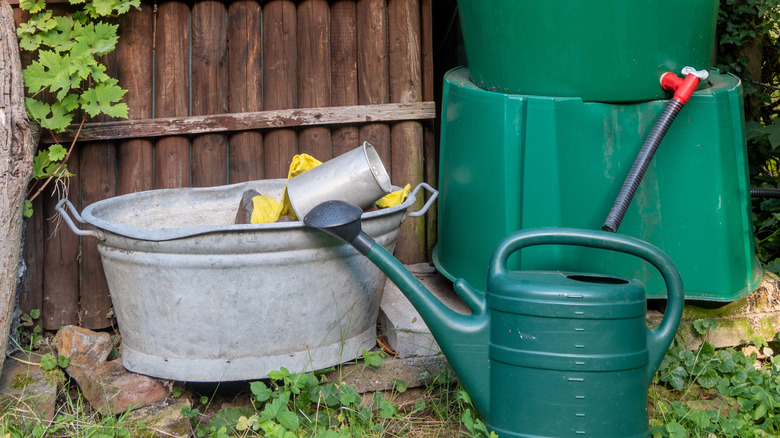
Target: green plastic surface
[552,354]
[599,50]
[512,162]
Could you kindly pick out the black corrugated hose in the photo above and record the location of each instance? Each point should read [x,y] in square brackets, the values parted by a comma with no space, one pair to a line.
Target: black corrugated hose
[642,162]
[756,192]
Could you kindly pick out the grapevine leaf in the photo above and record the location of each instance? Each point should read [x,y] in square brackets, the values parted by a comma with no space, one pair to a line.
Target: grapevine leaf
[103,98]
[40,163]
[60,118]
[97,39]
[104,7]
[62,37]
[36,109]
[28,208]
[30,42]
[35,77]
[125,6]
[32,6]
[70,102]
[50,70]
[98,72]
[57,152]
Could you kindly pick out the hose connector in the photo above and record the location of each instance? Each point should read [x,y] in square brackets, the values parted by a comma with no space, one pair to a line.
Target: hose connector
[683,87]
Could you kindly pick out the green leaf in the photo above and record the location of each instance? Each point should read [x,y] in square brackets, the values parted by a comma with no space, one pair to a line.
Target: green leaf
[102,99]
[28,208]
[57,152]
[348,396]
[676,430]
[372,359]
[287,419]
[703,325]
[760,412]
[400,385]
[63,361]
[279,375]
[96,39]
[229,417]
[59,119]
[189,412]
[48,362]
[32,6]
[261,391]
[386,409]
[40,163]
[30,42]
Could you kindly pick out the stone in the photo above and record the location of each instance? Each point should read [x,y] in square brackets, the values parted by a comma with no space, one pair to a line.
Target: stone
[23,380]
[400,322]
[163,418]
[111,390]
[414,371]
[757,314]
[83,346]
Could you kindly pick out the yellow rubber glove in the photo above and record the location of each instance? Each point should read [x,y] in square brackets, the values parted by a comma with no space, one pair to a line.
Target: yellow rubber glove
[395,198]
[266,210]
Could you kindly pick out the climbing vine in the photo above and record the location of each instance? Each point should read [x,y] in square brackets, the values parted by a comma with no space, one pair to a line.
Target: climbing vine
[748,47]
[66,77]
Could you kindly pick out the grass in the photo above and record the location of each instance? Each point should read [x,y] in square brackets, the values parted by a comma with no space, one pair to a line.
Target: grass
[702,393]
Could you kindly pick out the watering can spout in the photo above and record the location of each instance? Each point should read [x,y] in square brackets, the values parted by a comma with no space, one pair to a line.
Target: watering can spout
[462,338]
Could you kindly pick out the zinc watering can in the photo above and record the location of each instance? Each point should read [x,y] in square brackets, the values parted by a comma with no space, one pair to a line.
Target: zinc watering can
[543,354]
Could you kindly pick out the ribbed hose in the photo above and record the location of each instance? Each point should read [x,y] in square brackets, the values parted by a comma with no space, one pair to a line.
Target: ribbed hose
[642,162]
[764,193]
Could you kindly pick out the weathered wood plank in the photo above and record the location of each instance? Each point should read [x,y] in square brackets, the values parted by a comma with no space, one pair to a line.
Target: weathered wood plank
[135,157]
[407,137]
[31,295]
[245,82]
[165,126]
[60,256]
[172,94]
[373,71]
[280,66]
[209,90]
[98,181]
[343,70]
[431,161]
[313,73]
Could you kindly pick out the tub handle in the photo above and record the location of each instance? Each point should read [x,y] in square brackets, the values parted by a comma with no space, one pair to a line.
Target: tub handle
[78,231]
[431,200]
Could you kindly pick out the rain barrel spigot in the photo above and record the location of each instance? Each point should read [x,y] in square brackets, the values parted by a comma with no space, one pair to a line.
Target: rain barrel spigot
[683,87]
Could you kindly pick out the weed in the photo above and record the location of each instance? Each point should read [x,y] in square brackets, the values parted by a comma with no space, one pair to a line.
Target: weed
[716,392]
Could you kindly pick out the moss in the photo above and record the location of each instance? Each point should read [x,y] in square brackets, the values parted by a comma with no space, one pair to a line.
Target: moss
[55,377]
[21,381]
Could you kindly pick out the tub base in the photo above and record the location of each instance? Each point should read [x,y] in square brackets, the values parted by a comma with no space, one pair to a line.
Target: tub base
[246,368]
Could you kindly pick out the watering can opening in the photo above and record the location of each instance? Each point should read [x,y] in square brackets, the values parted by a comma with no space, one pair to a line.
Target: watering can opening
[597,279]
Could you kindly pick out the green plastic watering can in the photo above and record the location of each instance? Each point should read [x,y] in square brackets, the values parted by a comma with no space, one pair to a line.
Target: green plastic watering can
[543,353]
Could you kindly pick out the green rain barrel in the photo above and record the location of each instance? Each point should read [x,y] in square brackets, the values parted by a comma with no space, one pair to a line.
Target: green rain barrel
[598,50]
[510,162]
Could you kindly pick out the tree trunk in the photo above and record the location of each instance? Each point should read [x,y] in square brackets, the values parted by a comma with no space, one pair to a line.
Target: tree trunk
[18,139]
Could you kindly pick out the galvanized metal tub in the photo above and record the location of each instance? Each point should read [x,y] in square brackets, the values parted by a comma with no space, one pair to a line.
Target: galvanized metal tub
[200,299]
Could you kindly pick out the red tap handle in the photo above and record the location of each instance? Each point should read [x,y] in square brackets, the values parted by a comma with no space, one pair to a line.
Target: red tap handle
[683,88]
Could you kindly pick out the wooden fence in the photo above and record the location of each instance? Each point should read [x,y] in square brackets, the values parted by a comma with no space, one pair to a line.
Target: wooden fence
[228,91]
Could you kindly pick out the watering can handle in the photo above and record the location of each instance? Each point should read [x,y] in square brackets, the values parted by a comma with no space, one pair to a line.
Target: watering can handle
[658,339]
